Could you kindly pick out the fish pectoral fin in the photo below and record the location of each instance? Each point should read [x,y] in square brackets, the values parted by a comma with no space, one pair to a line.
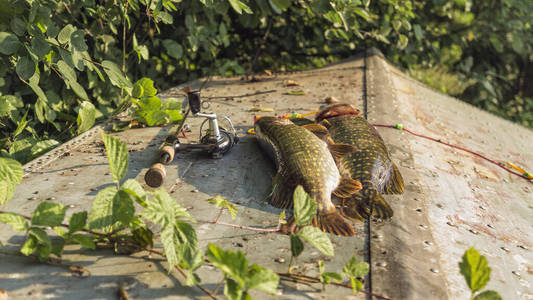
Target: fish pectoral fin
[347,187]
[357,208]
[320,131]
[332,222]
[395,183]
[283,189]
[338,150]
[325,123]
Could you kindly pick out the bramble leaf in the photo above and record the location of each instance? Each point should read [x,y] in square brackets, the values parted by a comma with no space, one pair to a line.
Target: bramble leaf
[318,239]
[77,221]
[83,240]
[101,215]
[134,188]
[221,202]
[488,295]
[304,207]
[475,269]
[262,279]
[116,76]
[297,245]
[233,264]
[117,155]
[17,222]
[48,214]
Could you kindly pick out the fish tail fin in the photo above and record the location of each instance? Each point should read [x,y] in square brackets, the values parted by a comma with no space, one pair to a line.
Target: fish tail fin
[282,192]
[395,183]
[332,222]
[357,208]
[347,187]
[320,131]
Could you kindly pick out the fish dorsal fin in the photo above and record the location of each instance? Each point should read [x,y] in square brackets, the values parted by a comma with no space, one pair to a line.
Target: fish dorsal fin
[320,131]
[359,208]
[339,150]
[332,222]
[395,183]
[347,187]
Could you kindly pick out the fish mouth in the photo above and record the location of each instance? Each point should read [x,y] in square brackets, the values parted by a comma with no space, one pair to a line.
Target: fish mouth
[336,110]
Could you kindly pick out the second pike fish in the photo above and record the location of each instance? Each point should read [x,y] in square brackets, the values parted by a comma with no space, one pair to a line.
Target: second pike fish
[370,163]
[303,159]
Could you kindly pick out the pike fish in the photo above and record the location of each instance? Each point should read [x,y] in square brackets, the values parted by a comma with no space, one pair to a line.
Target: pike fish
[370,163]
[303,159]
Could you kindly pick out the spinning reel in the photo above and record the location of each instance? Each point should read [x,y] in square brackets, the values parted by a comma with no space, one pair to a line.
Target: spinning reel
[215,140]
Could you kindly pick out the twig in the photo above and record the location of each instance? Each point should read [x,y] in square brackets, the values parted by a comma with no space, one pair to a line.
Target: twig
[309,279]
[219,214]
[68,226]
[182,272]
[258,229]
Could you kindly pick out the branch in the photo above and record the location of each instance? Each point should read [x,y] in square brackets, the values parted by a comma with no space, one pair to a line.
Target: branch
[258,229]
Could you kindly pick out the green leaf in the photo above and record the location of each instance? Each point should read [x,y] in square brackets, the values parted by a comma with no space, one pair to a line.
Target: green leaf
[145,88]
[10,175]
[25,67]
[402,42]
[65,34]
[353,269]
[170,241]
[86,116]
[419,34]
[164,210]
[18,26]
[77,39]
[233,291]
[475,269]
[83,240]
[101,215]
[134,188]
[40,46]
[144,237]
[41,236]
[123,208]
[279,6]
[116,76]
[42,147]
[71,79]
[9,43]
[117,155]
[239,7]
[233,264]
[17,222]
[77,221]
[262,279]
[173,48]
[304,207]
[327,277]
[221,202]
[488,295]
[297,245]
[30,246]
[48,214]
[318,239]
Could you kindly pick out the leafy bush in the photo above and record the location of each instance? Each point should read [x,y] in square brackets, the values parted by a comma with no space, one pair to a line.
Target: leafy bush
[59,57]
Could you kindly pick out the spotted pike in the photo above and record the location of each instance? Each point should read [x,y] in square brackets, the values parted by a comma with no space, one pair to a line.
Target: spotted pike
[370,163]
[303,159]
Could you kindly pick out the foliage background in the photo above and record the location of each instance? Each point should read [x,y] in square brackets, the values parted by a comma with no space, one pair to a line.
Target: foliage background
[66,63]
